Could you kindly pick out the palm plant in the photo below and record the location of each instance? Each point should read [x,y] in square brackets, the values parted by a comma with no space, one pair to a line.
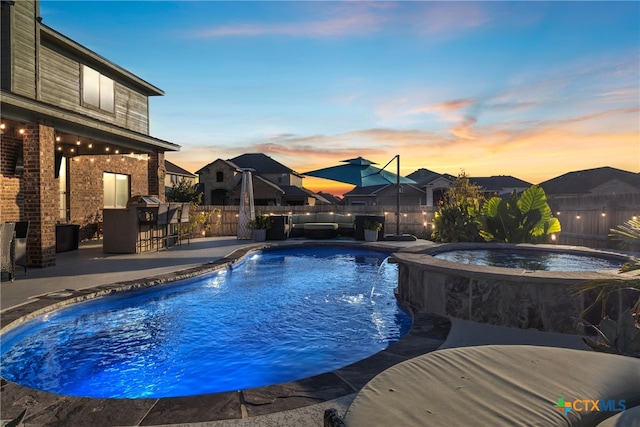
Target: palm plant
[621,336]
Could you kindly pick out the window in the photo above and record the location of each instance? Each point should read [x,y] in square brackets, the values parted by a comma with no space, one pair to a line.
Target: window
[116,190]
[219,177]
[97,90]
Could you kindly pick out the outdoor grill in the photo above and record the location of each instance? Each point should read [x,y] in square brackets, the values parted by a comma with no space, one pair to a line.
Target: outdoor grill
[146,207]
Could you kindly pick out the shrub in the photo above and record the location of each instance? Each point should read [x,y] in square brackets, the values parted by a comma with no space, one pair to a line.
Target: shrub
[524,219]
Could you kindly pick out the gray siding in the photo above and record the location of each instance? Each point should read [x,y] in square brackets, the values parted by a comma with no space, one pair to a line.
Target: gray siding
[23,48]
[59,80]
[60,85]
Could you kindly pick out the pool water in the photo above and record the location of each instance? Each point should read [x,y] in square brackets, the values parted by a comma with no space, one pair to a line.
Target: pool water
[277,316]
[529,259]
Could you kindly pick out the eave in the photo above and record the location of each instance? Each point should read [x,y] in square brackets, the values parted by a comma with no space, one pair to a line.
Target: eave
[19,108]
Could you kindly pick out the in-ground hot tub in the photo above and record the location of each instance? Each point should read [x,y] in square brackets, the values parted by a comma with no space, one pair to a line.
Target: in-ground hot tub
[524,297]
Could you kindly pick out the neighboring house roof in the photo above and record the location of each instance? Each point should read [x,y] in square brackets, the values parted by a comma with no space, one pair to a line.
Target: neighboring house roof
[329,197]
[424,176]
[584,181]
[498,183]
[174,169]
[266,181]
[262,164]
[228,163]
[366,191]
[293,191]
[372,190]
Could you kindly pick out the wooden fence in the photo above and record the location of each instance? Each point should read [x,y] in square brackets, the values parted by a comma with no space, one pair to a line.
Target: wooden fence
[223,220]
[585,220]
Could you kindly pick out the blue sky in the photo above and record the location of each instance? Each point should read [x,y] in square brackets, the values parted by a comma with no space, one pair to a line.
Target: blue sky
[529,89]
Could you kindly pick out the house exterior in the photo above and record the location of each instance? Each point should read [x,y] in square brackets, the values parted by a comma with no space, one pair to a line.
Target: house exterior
[274,184]
[500,185]
[385,195]
[604,180]
[435,185]
[432,183]
[174,175]
[74,129]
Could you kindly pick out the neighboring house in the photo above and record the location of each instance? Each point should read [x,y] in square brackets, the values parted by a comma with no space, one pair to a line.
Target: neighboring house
[385,195]
[174,174]
[433,184]
[500,186]
[604,180]
[75,132]
[330,198]
[274,184]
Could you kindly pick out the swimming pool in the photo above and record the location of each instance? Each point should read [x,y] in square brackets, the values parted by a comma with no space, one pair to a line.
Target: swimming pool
[277,316]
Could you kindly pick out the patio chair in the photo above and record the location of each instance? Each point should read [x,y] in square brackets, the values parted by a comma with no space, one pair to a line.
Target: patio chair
[21,231]
[173,234]
[160,232]
[185,230]
[7,250]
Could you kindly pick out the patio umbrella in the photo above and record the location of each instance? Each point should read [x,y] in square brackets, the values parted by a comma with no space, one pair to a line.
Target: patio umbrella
[361,172]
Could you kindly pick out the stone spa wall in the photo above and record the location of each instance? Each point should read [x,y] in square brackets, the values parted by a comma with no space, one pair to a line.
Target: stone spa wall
[541,300]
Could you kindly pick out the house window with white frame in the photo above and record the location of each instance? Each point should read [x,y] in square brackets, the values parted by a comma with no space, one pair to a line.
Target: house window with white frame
[117,190]
[97,90]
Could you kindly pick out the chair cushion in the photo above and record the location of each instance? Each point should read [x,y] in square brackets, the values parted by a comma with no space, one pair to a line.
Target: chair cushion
[321,226]
[325,217]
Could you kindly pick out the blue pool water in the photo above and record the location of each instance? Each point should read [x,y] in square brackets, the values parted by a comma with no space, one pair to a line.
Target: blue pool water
[529,259]
[277,316]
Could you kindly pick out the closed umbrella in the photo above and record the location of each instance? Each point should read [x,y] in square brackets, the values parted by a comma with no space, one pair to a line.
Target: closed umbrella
[361,172]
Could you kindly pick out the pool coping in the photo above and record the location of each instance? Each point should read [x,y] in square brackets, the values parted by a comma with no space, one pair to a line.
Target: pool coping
[426,334]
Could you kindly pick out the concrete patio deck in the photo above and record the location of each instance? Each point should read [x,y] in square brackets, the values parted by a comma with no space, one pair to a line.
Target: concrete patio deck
[87,270]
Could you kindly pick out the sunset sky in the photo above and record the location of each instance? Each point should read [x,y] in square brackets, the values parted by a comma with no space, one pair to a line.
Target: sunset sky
[529,89]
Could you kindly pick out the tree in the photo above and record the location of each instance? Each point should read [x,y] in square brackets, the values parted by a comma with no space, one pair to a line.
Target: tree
[621,336]
[184,192]
[457,218]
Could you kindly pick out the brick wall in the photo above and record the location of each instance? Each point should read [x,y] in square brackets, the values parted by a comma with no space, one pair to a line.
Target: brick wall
[86,189]
[11,198]
[40,194]
[156,172]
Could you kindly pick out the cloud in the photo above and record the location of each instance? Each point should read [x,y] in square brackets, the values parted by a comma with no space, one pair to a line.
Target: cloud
[444,18]
[349,19]
[339,19]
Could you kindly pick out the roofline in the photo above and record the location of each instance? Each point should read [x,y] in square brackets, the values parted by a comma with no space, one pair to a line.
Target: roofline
[181,171]
[228,162]
[19,108]
[77,48]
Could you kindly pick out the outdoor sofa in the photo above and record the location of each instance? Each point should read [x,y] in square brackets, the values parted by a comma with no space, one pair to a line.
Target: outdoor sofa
[322,225]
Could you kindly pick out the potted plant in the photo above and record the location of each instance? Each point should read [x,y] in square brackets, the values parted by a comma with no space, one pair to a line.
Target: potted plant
[371,230]
[260,225]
